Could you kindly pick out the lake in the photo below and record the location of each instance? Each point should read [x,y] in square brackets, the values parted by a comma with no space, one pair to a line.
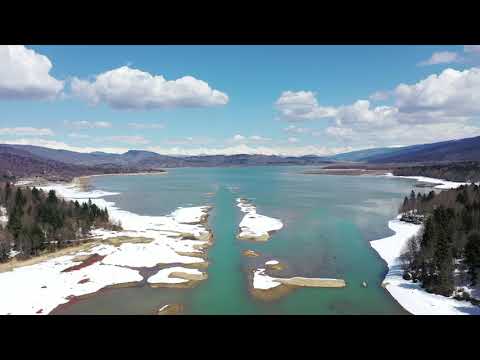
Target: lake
[328,223]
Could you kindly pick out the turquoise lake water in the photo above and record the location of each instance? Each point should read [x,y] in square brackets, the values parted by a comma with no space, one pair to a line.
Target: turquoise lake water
[328,222]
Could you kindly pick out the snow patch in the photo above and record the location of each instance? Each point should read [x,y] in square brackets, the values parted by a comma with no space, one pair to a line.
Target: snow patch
[166,231]
[190,215]
[272,262]
[442,184]
[263,281]
[3,216]
[254,225]
[43,286]
[163,276]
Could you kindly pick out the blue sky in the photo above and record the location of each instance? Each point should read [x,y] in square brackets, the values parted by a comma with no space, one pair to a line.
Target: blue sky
[287,100]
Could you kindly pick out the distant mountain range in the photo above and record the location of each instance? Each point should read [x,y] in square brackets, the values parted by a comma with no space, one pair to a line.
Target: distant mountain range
[28,160]
[467,149]
[18,163]
[149,160]
[363,155]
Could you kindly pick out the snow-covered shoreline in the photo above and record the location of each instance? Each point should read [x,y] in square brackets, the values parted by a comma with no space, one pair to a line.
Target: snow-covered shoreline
[411,296]
[440,183]
[39,288]
[255,226]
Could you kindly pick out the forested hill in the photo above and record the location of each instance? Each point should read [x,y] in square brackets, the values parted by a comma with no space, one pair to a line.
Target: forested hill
[467,149]
[17,163]
[37,221]
[465,171]
[446,254]
[28,160]
[453,150]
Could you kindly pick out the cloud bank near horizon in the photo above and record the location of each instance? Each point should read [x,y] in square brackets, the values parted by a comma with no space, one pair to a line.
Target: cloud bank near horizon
[184,151]
[436,108]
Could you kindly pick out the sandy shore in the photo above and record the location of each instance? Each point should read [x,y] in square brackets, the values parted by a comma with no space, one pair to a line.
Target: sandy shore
[164,172]
[15,263]
[177,277]
[78,181]
[250,253]
[83,182]
[266,287]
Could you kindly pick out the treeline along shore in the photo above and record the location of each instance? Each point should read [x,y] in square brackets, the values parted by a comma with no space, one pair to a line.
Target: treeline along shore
[445,255]
[34,222]
[464,171]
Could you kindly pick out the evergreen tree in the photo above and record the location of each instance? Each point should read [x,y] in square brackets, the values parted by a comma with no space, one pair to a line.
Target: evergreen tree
[52,197]
[36,219]
[430,195]
[8,191]
[37,238]
[405,205]
[444,265]
[35,194]
[472,255]
[15,217]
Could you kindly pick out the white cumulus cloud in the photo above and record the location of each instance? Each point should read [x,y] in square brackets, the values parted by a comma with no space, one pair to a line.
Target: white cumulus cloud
[439,107]
[25,75]
[301,105]
[360,114]
[127,88]
[441,57]
[238,137]
[452,92]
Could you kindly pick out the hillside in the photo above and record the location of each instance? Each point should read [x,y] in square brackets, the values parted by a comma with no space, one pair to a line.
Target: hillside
[130,158]
[467,149]
[27,160]
[143,160]
[18,163]
[467,171]
[364,155]
[454,150]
